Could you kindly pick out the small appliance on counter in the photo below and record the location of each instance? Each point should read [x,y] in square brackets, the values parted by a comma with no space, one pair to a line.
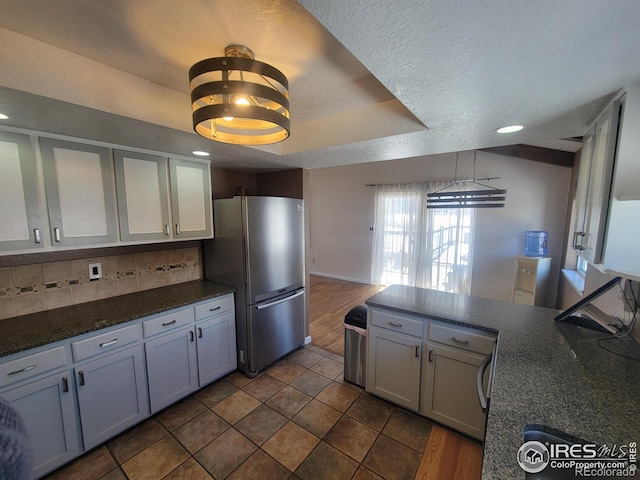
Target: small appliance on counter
[258,248]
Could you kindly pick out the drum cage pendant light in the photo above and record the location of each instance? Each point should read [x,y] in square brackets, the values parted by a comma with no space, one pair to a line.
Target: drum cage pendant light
[239,100]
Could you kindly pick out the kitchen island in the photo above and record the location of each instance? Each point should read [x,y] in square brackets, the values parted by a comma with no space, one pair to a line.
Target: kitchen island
[546,373]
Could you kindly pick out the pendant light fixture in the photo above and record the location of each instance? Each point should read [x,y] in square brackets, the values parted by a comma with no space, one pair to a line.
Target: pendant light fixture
[487,197]
[239,100]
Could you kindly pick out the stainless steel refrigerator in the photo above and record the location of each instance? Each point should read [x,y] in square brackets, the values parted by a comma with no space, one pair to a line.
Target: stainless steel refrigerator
[258,248]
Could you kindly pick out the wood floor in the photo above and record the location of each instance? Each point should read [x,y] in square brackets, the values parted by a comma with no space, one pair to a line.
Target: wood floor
[448,454]
[329,301]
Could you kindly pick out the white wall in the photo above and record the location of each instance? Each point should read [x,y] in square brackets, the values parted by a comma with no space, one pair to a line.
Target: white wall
[341,212]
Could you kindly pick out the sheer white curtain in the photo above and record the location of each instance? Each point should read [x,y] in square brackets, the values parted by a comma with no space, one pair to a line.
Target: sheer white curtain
[414,246]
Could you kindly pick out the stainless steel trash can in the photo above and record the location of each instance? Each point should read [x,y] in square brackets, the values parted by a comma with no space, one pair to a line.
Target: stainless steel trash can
[355,345]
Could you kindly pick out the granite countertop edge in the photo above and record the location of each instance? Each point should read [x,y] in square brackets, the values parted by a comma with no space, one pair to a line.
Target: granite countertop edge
[18,334]
[547,374]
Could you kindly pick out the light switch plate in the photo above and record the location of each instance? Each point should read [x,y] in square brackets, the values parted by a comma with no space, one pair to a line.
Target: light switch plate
[95,271]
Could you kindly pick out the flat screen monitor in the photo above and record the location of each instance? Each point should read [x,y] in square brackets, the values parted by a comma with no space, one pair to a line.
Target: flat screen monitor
[569,315]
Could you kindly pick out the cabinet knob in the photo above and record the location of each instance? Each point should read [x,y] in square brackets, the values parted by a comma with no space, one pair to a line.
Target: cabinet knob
[65,384]
[56,234]
[430,356]
[177,229]
[36,235]
[417,351]
[81,377]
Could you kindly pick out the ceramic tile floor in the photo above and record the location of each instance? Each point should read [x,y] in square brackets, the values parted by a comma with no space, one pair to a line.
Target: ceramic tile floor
[297,420]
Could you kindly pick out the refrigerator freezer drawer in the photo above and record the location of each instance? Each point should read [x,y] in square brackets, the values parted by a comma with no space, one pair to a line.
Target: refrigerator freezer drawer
[274,329]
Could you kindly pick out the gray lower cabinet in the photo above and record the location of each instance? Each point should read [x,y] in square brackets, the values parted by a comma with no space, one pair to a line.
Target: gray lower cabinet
[216,347]
[429,366]
[393,368]
[172,368]
[449,389]
[80,392]
[112,394]
[180,362]
[48,409]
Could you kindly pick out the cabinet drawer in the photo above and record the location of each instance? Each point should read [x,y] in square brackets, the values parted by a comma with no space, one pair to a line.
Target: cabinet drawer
[398,323]
[214,307]
[104,343]
[166,323]
[32,365]
[461,337]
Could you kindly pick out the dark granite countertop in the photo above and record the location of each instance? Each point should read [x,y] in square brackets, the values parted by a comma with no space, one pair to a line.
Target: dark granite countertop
[547,373]
[29,331]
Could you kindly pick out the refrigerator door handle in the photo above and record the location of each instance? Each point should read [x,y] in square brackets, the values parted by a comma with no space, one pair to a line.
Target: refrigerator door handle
[245,259]
[282,300]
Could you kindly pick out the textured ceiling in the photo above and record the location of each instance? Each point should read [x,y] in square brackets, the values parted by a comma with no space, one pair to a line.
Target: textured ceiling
[370,80]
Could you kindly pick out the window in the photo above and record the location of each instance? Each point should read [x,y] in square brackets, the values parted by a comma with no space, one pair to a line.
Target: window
[581,265]
[413,245]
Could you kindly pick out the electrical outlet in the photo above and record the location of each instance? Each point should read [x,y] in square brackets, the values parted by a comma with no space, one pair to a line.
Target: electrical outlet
[95,271]
[631,296]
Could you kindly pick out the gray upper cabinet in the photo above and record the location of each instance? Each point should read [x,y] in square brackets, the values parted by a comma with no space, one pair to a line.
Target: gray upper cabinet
[80,193]
[143,197]
[582,190]
[604,150]
[20,217]
[190,199]
[594,184]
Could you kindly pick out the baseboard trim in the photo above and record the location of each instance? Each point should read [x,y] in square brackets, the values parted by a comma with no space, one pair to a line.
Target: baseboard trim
[340,277]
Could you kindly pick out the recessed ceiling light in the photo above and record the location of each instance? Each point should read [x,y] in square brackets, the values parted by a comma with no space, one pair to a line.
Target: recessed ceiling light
[510,129]
[4,117]
[200,153]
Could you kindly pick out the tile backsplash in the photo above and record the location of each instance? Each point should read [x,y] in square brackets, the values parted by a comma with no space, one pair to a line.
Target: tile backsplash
[44,286]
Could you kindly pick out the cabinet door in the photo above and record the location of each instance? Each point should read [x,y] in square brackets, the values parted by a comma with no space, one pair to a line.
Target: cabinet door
[48,410]
[80,192]
[171,367]
[216,348]
[393,367]
[20,216]
[190,198]
[449,392]
[112,395]
[582,191]
[601,172]
[143,199]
